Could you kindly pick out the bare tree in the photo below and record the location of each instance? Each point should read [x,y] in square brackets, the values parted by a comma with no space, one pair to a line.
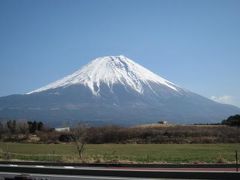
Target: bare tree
[80,138]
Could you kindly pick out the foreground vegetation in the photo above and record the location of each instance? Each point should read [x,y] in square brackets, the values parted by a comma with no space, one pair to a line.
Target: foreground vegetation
[148,134]
[155,143]
[21,131]
[122,153]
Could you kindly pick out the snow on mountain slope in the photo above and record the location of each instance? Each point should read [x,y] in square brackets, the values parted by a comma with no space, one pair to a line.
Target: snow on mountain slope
[111,70]
[114,90]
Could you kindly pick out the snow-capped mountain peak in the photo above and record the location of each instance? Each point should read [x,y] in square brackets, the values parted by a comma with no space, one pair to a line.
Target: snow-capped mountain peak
[113,90]
[111,70]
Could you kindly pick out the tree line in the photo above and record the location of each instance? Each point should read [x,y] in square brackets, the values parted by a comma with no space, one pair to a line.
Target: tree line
[226,132]
[13,127]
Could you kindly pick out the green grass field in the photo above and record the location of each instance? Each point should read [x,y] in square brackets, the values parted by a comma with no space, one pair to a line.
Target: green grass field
[140,153]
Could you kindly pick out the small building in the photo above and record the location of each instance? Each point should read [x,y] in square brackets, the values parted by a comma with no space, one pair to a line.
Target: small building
[162,122]
[64,129]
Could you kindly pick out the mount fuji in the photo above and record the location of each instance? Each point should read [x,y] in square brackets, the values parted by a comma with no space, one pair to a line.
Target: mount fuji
[113,90]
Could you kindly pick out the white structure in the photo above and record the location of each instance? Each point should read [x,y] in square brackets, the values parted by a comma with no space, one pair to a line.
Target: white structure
[64,129]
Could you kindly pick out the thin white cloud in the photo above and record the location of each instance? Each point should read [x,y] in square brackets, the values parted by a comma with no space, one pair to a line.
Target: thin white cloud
[226,99]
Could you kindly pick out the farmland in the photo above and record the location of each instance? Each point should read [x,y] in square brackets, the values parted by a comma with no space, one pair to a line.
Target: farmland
[122,153]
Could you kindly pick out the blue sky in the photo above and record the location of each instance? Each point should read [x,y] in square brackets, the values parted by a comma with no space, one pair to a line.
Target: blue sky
[195,44]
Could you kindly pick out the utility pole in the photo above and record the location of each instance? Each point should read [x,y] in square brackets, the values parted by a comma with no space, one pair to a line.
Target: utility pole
[236,160]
